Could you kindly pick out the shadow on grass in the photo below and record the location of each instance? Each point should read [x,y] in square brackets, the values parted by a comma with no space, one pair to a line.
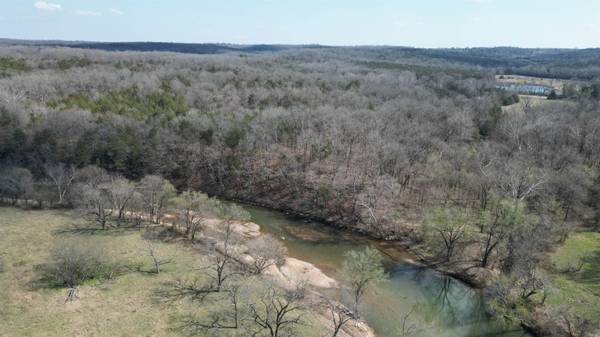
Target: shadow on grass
[590,275]
[161,234]
[85,229]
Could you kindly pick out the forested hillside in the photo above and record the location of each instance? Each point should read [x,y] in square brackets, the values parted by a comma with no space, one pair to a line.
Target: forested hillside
[377,144]
[581,64]
[355,143]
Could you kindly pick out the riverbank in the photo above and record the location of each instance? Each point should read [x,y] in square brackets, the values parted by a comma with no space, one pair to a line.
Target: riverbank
[406,233]
[131,303]
[479,278]
[293,275]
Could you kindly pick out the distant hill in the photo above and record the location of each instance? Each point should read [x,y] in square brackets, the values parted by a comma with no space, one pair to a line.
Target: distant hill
[543,62]
[189,48]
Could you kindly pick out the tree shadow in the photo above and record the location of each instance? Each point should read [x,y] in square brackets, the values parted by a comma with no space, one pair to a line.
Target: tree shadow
[161,234]
[590,274]
[83,229]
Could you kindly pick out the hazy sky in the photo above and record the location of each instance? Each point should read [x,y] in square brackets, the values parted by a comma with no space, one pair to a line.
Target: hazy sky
[420,23]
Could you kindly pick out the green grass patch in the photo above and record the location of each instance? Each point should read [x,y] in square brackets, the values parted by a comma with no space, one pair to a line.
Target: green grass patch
[125,305]
[581,289]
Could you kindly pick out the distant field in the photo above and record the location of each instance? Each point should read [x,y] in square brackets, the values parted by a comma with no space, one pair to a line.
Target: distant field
[557,84]
[536,101]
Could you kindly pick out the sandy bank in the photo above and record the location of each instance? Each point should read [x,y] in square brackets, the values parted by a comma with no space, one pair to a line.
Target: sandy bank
[294,273]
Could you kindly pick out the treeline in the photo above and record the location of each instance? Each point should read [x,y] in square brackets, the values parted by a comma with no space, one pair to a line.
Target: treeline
[582,64]
[232,260]
[109,199]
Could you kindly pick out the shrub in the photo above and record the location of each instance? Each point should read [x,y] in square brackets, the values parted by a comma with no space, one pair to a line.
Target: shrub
[73,262]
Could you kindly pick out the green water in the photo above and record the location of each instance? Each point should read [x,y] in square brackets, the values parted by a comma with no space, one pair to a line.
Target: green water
[440,306]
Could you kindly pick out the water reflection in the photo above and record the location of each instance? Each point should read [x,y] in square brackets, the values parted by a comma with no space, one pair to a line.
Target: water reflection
[438,305]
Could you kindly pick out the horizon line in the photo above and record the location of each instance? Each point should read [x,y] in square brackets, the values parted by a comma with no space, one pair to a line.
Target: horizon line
[52,40]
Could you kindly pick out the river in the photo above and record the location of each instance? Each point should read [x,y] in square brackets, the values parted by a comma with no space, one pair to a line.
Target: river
[439,306]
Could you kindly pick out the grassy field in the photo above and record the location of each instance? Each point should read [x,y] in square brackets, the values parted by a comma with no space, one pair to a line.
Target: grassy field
[535,101]
[124,306]
[579,290]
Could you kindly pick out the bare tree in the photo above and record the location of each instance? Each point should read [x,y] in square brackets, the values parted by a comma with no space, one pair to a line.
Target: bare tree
[120,190]
[275,313]
[266,251]
[226,317]
[61,176]
[190,205]
[156,192]
[135,209]
[95,201]
[222,259]
[340,316]
[91,175]
[157,260]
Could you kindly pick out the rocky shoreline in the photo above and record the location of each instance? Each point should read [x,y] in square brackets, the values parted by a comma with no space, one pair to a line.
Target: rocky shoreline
[291,275]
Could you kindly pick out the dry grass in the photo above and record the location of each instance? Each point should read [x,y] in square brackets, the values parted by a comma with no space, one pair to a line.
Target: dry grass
[124,306]
[528,101]
[557,84]
[120,307]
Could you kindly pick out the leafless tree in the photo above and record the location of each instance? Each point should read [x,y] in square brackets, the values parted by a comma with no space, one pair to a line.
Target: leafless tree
[120,190]
[266,251]
[157,260]
[95,201]
[275,313]
[61,176]
[227,317]
[156,192]
[340,316]
[222,260]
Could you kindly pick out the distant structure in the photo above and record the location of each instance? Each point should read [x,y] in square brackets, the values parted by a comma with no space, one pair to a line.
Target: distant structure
[525,89]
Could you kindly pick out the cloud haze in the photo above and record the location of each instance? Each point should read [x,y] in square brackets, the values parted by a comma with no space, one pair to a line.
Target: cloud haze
[47,6]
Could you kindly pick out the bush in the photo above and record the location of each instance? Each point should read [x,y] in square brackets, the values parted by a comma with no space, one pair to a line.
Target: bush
[73,262]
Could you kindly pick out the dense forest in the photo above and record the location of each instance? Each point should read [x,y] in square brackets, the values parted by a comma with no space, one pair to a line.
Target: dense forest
[582,64]
[379,140]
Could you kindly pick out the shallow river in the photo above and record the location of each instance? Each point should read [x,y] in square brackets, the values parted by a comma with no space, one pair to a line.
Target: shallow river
[440,306]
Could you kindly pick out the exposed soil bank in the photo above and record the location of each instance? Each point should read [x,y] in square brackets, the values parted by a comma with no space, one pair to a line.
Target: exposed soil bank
[294,273]
[308,210]
[475,277]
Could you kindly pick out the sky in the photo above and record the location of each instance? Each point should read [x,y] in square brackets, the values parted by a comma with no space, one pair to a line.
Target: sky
[417,23]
